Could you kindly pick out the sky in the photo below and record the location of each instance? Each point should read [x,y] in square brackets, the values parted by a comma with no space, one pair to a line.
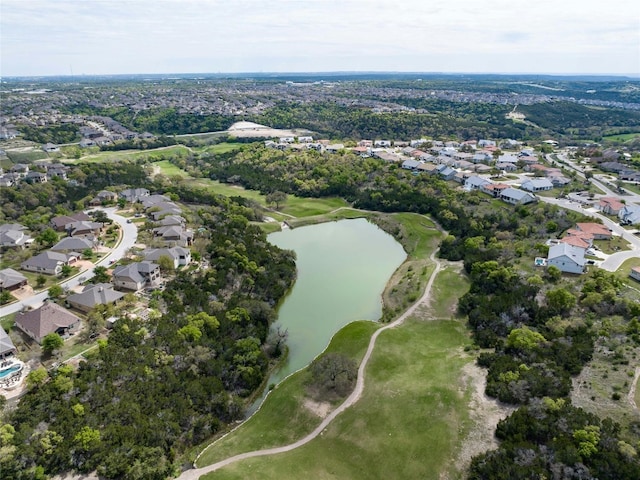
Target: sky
[97,37]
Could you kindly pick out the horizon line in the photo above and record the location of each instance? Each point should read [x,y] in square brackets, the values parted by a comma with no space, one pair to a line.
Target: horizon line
[327,72]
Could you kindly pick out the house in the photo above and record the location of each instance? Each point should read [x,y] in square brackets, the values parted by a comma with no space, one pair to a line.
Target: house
[515,196]
[134,194]
[599,231]
[175,234]
[629,214]
[60,222]
[559,180]
[382,143]
[482,143]
[73,244]
[334,148]
[84,228]
[447,173]
[87,142]
[586,238]
[610,205]
[12,236]
[427,167]
[50,147]
[568,258]
[7,348]
[170,220]
[410,164]
[494,189]
[179,255]
[104,196]
[576,241]
[507,167]
[482,157]
[474,183]
[49,263]
[20,169]
[93,295]
[153,200]
[635,274]
[136,275]
[537,185]
[36,177]
[482,168]
[49,318]
[11,280]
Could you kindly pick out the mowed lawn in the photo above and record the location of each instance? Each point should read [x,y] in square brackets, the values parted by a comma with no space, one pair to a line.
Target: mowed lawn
[408,423]
[283,417]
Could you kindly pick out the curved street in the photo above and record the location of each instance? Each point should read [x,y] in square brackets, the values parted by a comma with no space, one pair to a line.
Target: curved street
[195,473]
[129,235]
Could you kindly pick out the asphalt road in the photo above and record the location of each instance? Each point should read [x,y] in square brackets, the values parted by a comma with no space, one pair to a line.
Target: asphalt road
[127,240]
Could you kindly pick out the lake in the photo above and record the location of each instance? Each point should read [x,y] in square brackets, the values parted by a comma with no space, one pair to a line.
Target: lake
[343,268]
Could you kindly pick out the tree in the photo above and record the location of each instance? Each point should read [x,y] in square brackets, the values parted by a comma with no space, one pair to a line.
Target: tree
[40,281]
[166,263]
[55,291]
[37,377]
[560,301]
[333,373]
[100,275]
[554,273]
[276,197]
[5,297]
[66,270]
[47,237]
[51,342]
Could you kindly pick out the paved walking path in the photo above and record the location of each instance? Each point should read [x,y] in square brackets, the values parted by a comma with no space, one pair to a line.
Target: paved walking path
[195,474]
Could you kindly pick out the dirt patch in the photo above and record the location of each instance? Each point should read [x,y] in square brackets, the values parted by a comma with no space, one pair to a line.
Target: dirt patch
[255,130]
[631,396]
[76,476]
[485,413]
[321,409]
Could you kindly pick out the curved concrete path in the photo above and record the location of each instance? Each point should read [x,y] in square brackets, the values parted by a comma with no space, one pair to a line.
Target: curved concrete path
[194,474]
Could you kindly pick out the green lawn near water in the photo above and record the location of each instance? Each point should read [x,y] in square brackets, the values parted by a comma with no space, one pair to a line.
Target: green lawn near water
[408,423]
[283,418]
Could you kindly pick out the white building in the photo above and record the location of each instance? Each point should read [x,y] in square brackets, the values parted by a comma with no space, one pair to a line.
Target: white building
[567,258]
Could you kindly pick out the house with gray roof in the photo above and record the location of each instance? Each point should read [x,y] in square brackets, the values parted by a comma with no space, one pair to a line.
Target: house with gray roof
[537,185]
[629,214]
[474,182]
[568,258]
[84,228]
[515,196]
[171,220]
[48,263]
[12,236]
[73,244]
[152,200]
[93,295]
[410,164]
[11,279]
[49,318]
[136,275]
[60,222]
[179,256]
[134,194]
[7,348]
[174,235]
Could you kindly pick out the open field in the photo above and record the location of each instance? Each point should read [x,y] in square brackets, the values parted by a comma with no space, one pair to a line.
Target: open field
[622,137]
[408,424]
[129,155]
[285,415]
[165,167]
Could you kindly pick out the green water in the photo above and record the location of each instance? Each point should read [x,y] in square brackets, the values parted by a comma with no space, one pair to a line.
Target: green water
[343,268]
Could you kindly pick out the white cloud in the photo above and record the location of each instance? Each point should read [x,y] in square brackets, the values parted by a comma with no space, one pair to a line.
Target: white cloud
[131,36]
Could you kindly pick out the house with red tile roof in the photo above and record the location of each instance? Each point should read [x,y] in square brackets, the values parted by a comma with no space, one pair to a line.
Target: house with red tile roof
[599,231]
[610,205]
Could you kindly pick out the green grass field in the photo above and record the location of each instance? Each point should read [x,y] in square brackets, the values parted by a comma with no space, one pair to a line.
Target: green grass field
[408,423]
[623,137]
[169,169]
[283,418]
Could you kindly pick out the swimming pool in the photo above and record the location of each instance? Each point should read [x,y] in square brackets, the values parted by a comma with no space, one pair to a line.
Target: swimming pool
[10,370]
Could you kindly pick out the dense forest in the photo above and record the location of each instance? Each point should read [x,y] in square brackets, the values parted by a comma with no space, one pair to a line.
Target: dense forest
[156,388]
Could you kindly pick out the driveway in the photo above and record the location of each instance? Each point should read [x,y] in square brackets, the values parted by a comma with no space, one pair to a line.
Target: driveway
[129,234]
